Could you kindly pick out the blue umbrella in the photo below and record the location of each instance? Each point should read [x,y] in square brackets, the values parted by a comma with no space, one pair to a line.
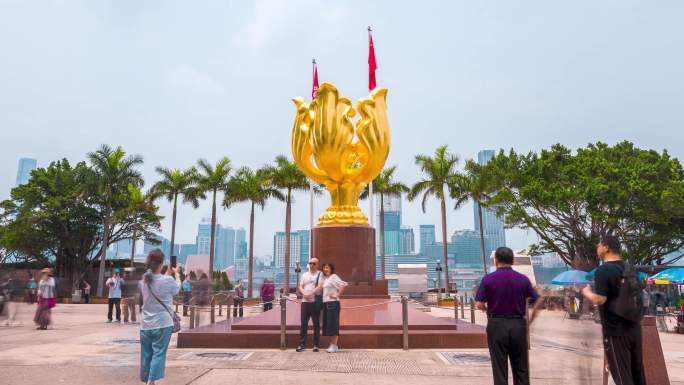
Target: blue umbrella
[571,277]
[640,275]
[673,275]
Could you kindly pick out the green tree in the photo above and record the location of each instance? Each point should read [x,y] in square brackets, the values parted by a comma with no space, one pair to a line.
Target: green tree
[571,200]
[110,173]
[438,173]
[477,186]
[142,215]
[255,187]
[213,179]
[287,176]
[385,186]
[174,184]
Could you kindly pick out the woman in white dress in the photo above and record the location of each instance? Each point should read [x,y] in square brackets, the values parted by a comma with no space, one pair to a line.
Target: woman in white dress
[333,287]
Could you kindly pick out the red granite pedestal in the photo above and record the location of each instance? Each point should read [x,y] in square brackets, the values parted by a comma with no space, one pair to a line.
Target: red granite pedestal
[375,327]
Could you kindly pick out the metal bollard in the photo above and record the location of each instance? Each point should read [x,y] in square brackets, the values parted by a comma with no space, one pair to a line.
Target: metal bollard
[472,311]
[404,322]
[197,317]
[220,309]
[230,301]
[283,325]
[456,308]
[212,315]
[462,308]
[192,317]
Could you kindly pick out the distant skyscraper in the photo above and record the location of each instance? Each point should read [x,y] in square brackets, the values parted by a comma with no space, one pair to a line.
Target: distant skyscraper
[185,250]
[392,224]
[164,246]
[494,232]
[407,243]
[241,264]
[224,244]
[467,249]
[427,237]
[299,248]
[26,165]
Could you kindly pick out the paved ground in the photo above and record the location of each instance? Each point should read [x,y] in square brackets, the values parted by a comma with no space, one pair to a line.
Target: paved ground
[82,349]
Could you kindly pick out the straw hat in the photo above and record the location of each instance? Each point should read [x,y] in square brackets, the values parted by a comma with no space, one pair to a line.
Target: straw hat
[47,270]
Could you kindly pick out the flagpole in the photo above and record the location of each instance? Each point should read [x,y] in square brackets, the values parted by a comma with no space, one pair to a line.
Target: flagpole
[371,198]
[311,186]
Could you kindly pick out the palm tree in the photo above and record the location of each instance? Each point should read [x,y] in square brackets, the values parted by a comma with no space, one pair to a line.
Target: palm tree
[176,183]
[386,186]
[286,175]
[473,185]
[255,187]
[141,205]
[111,173]
[213,179]
[438,171]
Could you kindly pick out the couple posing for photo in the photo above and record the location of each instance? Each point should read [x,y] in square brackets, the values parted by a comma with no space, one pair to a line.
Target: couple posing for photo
[321,291]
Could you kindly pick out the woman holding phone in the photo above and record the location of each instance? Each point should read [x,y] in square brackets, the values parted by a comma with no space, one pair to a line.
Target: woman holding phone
[333,287]
[157,322]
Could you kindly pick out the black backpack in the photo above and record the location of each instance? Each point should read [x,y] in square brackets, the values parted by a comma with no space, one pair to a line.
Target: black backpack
[627,304]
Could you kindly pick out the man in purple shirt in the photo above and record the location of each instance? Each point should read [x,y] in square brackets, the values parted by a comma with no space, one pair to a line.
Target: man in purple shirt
[503,294]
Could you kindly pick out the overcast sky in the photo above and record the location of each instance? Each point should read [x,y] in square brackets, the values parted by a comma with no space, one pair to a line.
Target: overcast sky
[174,81]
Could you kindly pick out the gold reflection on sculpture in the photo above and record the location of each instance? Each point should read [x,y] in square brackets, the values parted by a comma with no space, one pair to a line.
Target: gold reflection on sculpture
[334,152]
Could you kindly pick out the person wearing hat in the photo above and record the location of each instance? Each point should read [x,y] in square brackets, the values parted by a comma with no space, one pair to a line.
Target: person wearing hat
[114,284]
[47,299]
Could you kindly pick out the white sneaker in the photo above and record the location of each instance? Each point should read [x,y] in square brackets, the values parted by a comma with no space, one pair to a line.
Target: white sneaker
[333,349]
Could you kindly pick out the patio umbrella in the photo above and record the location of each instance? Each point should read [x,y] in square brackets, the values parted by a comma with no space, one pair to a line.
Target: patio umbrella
[571,277]
[666,277]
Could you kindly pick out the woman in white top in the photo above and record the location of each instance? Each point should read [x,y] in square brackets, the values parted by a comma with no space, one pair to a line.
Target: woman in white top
[333,287]
[47,299]
[156,325]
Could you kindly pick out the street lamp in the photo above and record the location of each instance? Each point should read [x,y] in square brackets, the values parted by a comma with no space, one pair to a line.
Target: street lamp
[439,270]
[298,269]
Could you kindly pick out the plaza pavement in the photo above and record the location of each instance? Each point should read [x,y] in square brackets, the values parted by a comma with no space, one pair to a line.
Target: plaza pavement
[81,349]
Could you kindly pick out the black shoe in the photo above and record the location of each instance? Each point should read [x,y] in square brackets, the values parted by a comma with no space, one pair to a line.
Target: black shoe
[300,349]
[315,349]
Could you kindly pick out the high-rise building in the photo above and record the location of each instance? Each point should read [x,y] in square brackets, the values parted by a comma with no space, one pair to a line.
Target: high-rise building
[407,243]
[224,244]
[241,263]
[299,248]
[468,250]
[492,224]
[184,250]
[26,165]
[392,224]
[427,237]
[163,244]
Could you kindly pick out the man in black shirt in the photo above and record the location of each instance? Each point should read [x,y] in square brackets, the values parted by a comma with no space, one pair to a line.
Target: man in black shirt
[621,337]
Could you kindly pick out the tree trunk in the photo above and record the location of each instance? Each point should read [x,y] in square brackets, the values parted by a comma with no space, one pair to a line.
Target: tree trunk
[482,242]
[135,237]
[288,229]
[382,235]
[103,257]
[173,230]
[213,236]
[250,260]
[444,247]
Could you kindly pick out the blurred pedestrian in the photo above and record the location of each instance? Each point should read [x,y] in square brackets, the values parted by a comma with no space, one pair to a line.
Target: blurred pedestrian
[157,319]
[239,299]
[621,336]
[267,294]
[47,299]
[333,287]
[187,294]
[504,295]
[129,298]
[114,298]
[86,291]
[32,290]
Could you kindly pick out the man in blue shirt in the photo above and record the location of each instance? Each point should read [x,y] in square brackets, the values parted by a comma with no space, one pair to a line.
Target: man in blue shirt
[503,294]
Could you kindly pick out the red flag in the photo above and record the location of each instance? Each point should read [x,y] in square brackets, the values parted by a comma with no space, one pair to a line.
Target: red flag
[372,64]
[314,88]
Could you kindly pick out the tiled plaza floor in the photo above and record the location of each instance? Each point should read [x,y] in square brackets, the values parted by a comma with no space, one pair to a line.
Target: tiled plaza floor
[82,349]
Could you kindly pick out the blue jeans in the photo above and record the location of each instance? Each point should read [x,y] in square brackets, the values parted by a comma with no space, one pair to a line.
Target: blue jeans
[153,346]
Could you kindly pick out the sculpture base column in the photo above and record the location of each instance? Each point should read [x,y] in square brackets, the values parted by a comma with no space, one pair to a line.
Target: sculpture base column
[352,250]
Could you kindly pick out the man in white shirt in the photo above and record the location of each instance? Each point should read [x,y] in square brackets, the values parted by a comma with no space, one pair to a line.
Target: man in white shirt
[114,283]
[310,286]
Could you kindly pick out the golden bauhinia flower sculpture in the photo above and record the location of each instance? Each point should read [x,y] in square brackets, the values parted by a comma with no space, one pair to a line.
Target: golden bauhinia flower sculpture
[334,152]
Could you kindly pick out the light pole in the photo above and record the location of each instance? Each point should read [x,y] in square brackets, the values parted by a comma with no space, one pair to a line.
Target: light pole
[298,270]
[439,270]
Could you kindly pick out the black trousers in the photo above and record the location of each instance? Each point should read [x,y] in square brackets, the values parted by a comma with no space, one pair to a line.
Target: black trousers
[624,358]
[237,304]
[111,302]
[310,310]
[268,305]
[186,302]
[507,339]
